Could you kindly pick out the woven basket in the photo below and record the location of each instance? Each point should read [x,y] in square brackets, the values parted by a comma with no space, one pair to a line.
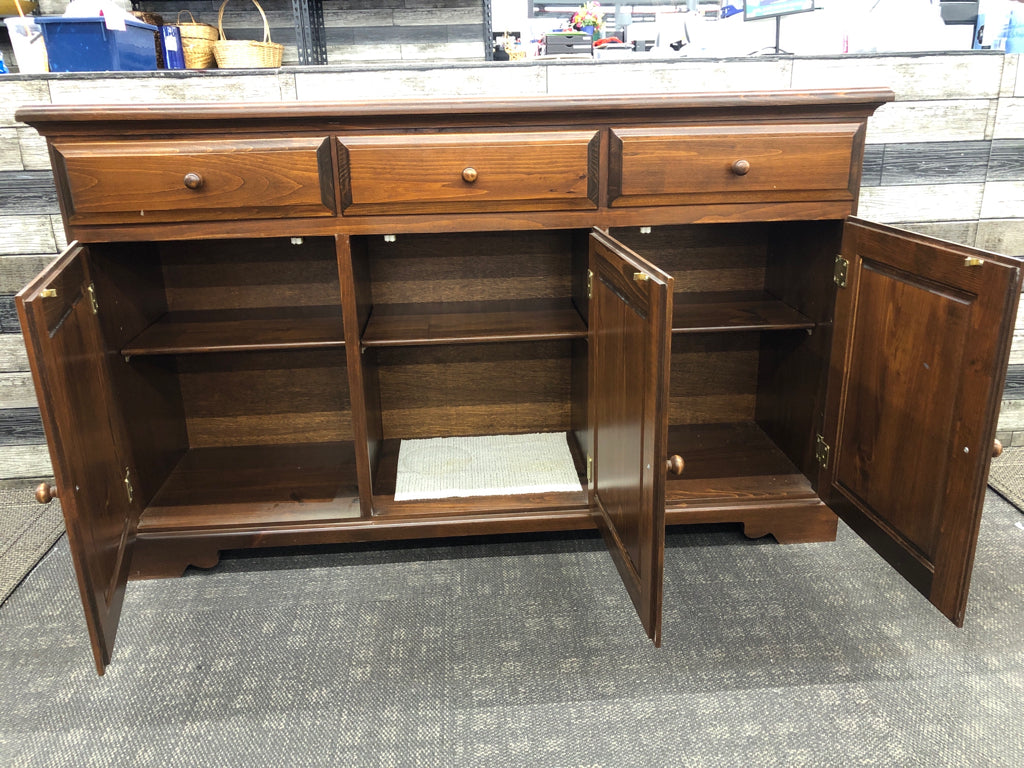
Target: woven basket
[246,54]
[196,42]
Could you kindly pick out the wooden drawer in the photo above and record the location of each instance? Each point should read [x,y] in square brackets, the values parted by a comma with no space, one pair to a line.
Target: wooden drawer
[191,180]
[707,164]
[468,172]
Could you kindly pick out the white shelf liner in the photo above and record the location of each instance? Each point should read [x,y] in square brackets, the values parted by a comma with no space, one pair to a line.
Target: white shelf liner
[493,465]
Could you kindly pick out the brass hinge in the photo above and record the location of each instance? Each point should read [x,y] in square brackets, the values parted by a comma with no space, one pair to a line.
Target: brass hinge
[842,266]
[128,485]
[590,468]
[641,277]
[48,293]
[973,261]
[821,452]
[590,284]
[92,299]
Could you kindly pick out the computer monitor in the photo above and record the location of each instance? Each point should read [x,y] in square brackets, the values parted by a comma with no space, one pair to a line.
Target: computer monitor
[764,9]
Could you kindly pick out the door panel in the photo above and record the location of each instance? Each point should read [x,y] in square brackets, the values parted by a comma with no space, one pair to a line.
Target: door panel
[629,337]
[922,336]
[69,367]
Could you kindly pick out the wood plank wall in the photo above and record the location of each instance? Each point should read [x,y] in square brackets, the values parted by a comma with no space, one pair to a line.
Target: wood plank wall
[947,158]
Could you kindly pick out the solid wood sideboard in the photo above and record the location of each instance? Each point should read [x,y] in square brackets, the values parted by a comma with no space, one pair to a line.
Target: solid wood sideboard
[262,302]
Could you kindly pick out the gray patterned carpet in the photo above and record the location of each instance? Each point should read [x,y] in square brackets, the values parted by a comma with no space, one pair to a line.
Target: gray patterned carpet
[27,530]
[525,653]
[1007,476]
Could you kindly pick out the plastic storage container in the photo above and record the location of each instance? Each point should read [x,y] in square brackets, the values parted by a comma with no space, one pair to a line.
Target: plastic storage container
[86,45]
[27,42]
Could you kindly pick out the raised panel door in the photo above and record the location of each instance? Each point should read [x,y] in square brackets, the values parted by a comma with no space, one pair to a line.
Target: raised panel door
[629,339]
[918,361]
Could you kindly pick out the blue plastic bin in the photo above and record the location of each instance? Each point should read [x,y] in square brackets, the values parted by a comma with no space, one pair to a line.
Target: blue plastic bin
[86,45]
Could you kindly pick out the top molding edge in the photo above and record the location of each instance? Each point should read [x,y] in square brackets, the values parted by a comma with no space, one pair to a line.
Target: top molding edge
[40,115]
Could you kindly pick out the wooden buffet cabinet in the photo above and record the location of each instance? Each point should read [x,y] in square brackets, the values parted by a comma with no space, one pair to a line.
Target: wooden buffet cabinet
[262,301]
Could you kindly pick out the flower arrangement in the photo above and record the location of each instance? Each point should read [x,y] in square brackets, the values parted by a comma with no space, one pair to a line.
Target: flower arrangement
[587,15]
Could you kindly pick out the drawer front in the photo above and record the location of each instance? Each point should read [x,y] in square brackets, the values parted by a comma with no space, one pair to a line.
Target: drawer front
[733,164]
[177,180]
[468,172]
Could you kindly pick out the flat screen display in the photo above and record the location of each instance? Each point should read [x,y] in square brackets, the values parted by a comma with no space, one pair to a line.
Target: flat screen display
[762,9]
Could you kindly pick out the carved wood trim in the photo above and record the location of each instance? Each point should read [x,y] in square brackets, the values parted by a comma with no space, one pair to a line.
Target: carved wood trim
[857,163]
[614,167]
[344,176]
[594,169]
[60,175]
[325,165]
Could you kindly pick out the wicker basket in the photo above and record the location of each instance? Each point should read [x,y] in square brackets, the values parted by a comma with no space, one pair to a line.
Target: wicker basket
[246,54]
[196,42]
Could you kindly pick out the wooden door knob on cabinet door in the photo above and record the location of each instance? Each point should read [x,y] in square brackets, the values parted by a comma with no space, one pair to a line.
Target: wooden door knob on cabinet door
[45,493]
[675,464]
[741,167]
[997,448]
[193,180]
[469,175]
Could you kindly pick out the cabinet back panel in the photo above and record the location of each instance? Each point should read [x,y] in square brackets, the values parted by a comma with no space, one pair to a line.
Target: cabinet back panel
[236,274]
[704,258]
[488,266]
[476,389]
[265,398]
[714,378]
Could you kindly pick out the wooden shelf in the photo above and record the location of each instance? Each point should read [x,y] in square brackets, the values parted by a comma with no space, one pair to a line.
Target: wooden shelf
[240,330]
[731,463]
[256,486]
[734,311]
[393,325]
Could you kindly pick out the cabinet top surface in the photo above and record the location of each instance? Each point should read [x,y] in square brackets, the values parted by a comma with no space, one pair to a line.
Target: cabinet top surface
[562,107]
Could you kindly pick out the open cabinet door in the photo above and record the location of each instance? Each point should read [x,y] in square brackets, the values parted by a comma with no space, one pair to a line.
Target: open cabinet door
[629,359]
[921,343]
[86,440]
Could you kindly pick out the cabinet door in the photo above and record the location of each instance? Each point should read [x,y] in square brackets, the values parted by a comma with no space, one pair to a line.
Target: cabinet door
[72,379]
[629,338]
[922,336]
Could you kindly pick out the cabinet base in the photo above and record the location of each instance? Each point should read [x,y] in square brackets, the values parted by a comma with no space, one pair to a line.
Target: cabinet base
[159,556]
[802,523]
[166,559]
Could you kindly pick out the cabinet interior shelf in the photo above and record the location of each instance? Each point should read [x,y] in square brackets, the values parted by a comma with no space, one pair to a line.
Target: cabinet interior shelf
[734,311]
[729,463]
[240,330]
[473,322]
[256,486]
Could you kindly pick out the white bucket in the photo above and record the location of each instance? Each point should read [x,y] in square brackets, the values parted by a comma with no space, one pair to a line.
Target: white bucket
[28,44]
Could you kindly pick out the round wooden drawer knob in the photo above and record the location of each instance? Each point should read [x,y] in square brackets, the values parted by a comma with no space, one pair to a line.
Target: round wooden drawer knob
[675,464]
[193,180]
[741,167]
[469,175]
[45,493]
[997,448]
